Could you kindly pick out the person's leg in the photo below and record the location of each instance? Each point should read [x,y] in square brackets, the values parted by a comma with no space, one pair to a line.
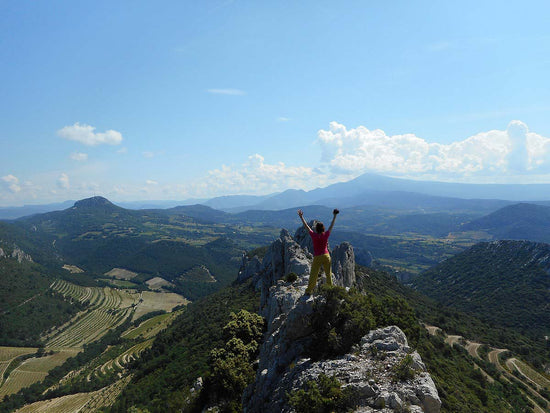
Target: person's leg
[315,267]
[327,267]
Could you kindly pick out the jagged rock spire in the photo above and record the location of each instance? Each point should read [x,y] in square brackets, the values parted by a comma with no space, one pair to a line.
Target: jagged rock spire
[282,367]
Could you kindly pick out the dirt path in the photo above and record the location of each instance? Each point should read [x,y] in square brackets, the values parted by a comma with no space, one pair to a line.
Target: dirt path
[511,363]
[451,340]
[493,358]
[473,349]
[432,329]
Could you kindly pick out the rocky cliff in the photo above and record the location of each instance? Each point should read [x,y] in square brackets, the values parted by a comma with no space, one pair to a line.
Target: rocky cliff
[16,253]
[283,368]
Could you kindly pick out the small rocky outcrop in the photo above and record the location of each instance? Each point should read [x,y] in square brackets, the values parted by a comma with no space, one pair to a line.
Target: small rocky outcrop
[20,255]
[16,253]
[282,365]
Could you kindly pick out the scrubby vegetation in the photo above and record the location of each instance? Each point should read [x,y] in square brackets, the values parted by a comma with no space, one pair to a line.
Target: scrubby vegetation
[342,318]
[27,305]
[181,353]
[501,284]
[230,366]
[322,395]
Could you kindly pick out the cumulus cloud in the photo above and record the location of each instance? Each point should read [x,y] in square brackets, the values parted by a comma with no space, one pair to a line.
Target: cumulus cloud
[12,183]
[255,176]
[511,151]
[151,182]
[234,92]
[86,134]
[79,156]
[63,181]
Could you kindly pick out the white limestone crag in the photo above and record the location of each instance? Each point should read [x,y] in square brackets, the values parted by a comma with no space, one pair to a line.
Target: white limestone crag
[282,366]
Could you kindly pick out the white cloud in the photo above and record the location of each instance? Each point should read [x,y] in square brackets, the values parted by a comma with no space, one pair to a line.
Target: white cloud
[283,119]
[148,154]
[79,156]
[151,182]
[63,181]
[253,177]
[122,150]
[511,151]
[12,183]
[233,92]
[85,134]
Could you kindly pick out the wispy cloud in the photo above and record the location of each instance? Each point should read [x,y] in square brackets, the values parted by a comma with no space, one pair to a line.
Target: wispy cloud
[234,92]
[283,119]
[63,181]
[12,183]
[79,156]
[85,134]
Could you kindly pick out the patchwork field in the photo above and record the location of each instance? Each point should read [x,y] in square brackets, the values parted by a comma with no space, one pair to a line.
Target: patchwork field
[32,370]
[106,309]
[153,301]
[121,274]
[150,328]
[157,283]
[80,402]
[9,354]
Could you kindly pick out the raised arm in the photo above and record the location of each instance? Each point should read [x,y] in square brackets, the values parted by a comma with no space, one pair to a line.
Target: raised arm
[334,213]
[301,215]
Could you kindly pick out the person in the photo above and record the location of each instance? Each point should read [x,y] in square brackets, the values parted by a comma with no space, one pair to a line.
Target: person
[321,256]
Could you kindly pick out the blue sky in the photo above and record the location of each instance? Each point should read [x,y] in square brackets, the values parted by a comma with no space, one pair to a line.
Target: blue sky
[180,99]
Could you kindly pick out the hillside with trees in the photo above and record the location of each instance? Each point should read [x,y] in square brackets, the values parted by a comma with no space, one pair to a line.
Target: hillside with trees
[505,283]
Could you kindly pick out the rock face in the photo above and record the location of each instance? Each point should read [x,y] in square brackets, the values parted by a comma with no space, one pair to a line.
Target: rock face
[282,367]
[20,255]
[16,253]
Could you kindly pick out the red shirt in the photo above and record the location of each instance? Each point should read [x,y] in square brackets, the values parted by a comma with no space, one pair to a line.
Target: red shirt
[320,242]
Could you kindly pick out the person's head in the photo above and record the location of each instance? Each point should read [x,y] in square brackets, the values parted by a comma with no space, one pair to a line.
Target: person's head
[319,228]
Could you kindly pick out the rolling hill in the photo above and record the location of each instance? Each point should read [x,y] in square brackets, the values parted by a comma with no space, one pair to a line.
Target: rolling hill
[518,222]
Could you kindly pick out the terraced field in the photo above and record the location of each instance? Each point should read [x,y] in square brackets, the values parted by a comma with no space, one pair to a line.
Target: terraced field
[106,309]
[32,370]
[80,402]
[8,355]
[119,363]
[150,328]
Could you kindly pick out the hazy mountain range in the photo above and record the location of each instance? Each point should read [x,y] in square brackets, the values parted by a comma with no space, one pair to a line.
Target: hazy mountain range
[367,189]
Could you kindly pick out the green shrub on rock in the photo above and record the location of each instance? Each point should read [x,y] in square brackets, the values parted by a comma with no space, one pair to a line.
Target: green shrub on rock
[322,395]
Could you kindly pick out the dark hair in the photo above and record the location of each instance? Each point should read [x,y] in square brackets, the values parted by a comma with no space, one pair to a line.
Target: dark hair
[319,228]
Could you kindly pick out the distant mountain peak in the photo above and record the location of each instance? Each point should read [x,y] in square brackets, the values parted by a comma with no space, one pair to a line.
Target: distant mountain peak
[94,202]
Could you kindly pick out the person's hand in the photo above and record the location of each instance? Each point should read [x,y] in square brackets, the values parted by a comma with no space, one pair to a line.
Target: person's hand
[300,213]
[335,211]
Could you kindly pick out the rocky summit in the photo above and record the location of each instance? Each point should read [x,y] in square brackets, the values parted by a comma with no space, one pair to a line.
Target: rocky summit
[283,367]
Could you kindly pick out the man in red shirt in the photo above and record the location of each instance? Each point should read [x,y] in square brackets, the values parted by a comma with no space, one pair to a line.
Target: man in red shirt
[321,256]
